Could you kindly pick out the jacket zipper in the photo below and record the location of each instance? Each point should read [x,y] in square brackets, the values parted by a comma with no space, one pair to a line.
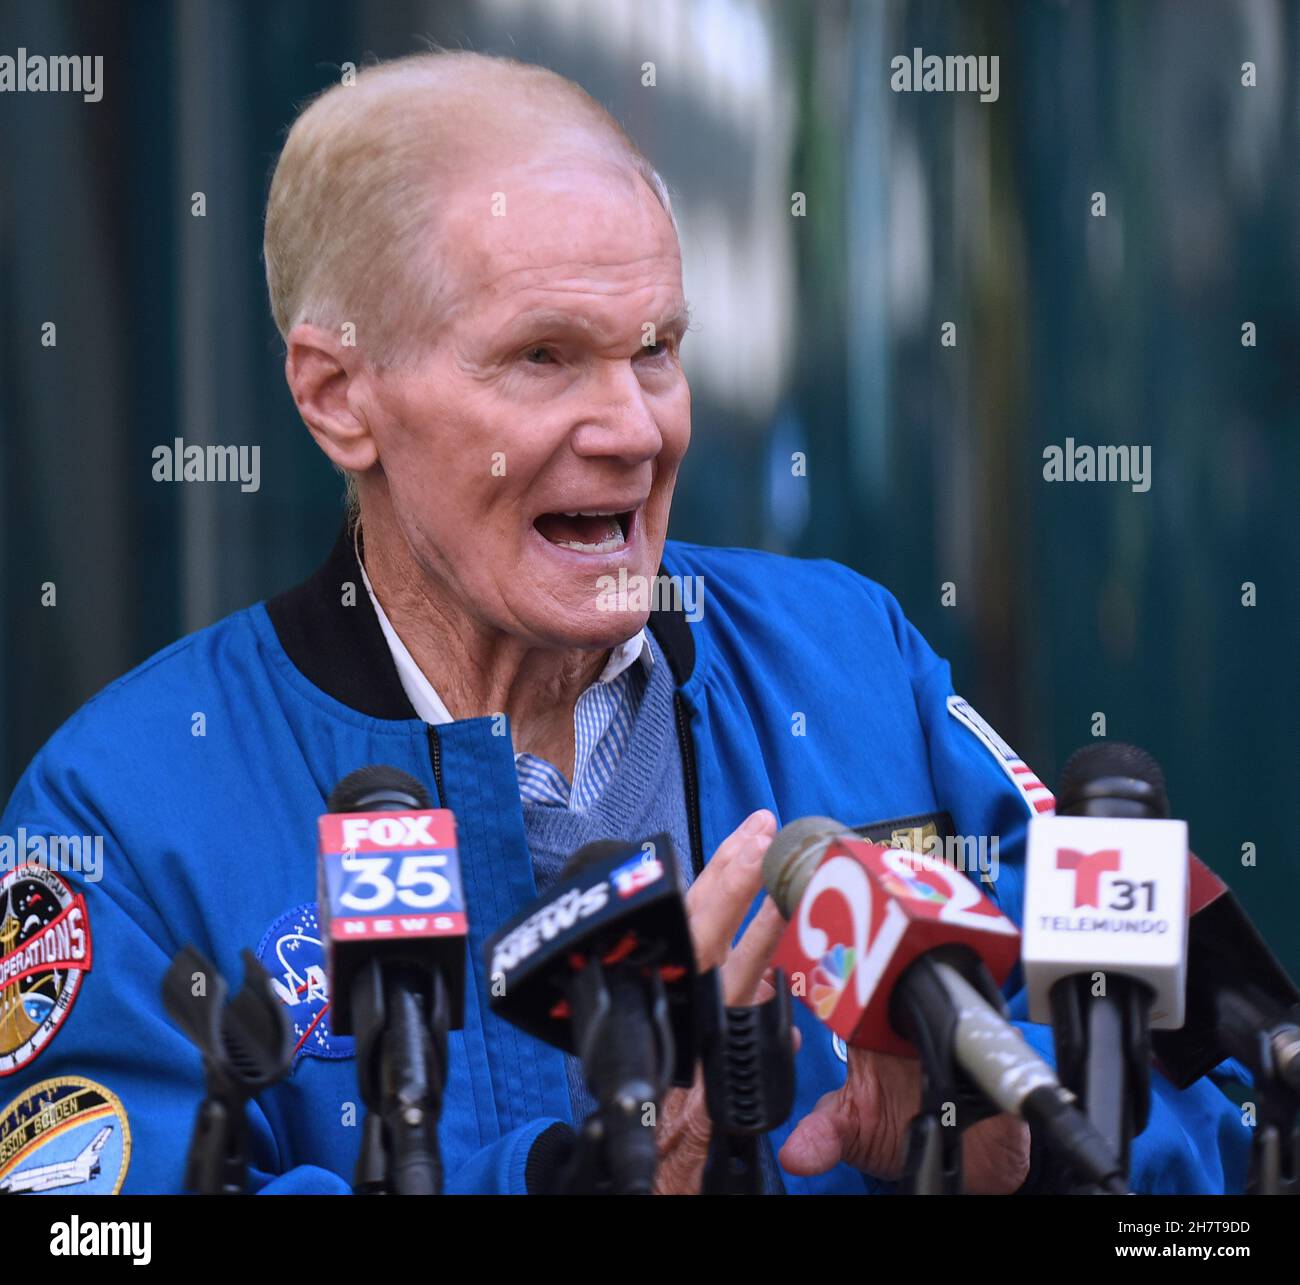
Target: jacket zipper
[435,758]
[771,1170]
[692,785]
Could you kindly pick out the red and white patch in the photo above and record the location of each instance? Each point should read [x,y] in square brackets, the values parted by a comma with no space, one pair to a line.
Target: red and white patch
[45,952]
[1038,798]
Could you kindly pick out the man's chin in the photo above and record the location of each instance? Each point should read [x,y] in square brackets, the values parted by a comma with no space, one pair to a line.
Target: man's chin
[592,601]
[592,628]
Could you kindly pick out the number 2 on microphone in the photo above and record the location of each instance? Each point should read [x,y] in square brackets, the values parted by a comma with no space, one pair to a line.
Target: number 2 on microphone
[845,878]
[961,894]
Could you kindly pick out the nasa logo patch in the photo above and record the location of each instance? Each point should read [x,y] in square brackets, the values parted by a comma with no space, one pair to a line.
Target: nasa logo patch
[67,1137]
[292,953]
[44,953]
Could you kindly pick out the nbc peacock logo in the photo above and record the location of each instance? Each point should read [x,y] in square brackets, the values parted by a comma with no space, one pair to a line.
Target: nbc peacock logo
[830,977]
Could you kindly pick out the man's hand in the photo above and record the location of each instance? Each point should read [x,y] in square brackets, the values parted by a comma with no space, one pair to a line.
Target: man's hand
[865,1124]
[716,904]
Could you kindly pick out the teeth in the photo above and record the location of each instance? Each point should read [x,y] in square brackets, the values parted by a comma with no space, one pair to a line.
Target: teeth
[608,545]
[593,513]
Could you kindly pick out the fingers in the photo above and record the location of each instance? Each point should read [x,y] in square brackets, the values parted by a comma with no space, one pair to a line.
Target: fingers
[683,1138]
[760,822]
[995,1156]
[717,901]
[743,973]
[821,1139]
[864,1124]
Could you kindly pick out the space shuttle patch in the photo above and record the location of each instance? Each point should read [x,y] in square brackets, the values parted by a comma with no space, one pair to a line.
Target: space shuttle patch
[64,1137]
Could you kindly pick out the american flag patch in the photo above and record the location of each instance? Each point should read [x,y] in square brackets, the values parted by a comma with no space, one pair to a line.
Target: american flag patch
[1035,794]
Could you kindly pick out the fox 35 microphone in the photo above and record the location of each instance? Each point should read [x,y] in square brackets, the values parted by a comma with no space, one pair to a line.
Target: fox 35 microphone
[1240,1004]
[1105,930]
[393,923]
[902,954]
[602,966]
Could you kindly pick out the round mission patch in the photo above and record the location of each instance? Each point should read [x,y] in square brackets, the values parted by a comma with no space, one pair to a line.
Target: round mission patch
[66,1136]
[44,952]
[291,951]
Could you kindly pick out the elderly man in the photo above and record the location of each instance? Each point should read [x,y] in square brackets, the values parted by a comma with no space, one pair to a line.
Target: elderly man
[478,281]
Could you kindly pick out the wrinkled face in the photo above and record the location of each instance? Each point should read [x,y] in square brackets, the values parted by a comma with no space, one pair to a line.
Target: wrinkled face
[530,457]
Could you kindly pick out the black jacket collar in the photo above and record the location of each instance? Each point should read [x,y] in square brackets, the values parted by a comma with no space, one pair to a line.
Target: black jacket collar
[332,636]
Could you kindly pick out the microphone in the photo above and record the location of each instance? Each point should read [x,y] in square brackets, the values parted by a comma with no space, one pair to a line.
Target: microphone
[876,910]
[1242,1004]
[900,953]
[393,924]
[1105,930]
[602,966]
[1240,1001]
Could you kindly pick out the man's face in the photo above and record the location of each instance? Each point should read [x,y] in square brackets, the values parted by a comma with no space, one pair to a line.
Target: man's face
[540,399]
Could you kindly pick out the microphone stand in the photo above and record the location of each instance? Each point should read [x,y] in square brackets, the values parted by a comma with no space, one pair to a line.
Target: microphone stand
[923,1013]
[1275,1148]
[1271,1049]
[748,1061]
[247,1045]
[401,1014]
[625,1043]
[1103,1053]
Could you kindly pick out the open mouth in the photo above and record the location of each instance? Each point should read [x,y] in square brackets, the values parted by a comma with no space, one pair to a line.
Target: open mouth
[589,531]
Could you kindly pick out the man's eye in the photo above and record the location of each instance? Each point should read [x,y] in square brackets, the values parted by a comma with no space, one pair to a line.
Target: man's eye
[659,349]
[538,356]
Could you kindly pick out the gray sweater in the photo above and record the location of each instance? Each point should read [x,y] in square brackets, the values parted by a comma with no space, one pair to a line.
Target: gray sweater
[645,796]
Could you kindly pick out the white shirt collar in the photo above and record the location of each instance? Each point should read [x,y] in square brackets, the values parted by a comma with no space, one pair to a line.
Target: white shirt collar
[428,704]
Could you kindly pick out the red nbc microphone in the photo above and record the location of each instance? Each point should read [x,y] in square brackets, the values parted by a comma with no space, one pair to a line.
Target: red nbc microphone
[861,914]
[895,948]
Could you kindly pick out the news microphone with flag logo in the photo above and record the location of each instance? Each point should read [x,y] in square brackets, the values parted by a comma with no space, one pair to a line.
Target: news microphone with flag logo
[393,925]
[1105,930]
[900,953]
[602,966]
[1241,1004]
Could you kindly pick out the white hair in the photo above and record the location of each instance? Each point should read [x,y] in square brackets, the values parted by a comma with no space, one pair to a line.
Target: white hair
[364,170]
[366,166]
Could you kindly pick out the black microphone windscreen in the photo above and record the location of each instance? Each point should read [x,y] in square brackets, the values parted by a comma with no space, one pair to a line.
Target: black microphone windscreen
[1111,769]
[378,788]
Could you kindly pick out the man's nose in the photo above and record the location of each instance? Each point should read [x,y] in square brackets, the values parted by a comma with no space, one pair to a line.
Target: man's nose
[619,420]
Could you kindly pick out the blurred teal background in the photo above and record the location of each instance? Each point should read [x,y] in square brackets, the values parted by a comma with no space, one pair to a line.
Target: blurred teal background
[816,334]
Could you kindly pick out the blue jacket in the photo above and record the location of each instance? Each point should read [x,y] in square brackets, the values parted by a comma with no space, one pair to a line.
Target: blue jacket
[802,689]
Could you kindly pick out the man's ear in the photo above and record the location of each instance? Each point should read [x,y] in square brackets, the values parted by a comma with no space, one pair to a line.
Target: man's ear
[321,372]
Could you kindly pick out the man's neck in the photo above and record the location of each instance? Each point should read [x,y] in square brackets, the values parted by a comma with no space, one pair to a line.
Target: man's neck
[478,671]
